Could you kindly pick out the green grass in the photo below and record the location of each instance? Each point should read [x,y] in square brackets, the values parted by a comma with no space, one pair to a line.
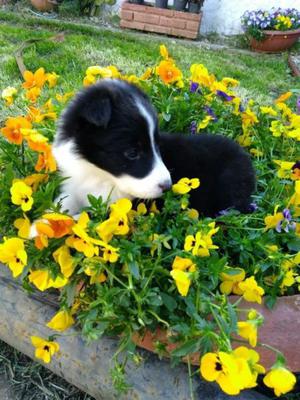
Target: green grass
[262,77]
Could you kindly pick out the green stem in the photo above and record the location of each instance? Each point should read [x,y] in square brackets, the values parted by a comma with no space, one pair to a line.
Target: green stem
[158,318]
[190,378]
[226,339]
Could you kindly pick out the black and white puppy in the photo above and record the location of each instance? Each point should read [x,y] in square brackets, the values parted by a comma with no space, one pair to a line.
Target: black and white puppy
[108,144]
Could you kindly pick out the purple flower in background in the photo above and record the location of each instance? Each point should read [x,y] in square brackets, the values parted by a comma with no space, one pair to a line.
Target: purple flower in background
[241,108]
[224,95]
[193,127]
[211,113]
[298,105]
[194,87]
[253,207]
[286,224]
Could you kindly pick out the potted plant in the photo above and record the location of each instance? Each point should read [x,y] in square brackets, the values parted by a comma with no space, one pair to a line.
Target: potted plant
[44,5]
[161,3]
[194,6]
[180,5]
[272,31]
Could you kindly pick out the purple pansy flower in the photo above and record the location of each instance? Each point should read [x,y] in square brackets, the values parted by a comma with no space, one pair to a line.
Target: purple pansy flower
[211,113]
[298,105]
[194,87]
[286,224]
[193,127]
[224,95]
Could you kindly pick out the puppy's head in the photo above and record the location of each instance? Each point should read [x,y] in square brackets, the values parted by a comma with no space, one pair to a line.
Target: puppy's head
[113,126]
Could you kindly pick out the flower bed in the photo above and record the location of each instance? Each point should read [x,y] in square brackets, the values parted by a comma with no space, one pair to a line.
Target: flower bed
[123,269]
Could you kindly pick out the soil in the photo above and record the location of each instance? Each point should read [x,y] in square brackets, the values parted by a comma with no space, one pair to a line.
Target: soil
[5,391]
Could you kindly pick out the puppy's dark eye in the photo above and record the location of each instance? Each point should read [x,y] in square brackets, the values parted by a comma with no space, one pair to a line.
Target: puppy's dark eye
[132,154]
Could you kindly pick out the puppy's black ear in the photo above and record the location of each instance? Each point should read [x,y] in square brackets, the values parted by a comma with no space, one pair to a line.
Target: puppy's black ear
[97,111]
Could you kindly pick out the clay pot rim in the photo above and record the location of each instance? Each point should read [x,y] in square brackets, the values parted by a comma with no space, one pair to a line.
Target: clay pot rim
[280,33]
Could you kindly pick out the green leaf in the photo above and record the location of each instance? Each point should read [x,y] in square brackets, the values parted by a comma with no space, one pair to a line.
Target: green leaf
[169,302]
[189,347]
[134,269]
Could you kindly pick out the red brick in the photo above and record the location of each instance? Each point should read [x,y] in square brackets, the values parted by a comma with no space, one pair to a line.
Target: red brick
[164,21]
[128,15]
[173,23]
[157,29]
[184,33]
[162,11]
[134,7]
[192,25]
[147,18]
[187,15]
[132,25]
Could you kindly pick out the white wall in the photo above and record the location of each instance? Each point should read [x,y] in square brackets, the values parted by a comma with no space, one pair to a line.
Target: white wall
[223,16]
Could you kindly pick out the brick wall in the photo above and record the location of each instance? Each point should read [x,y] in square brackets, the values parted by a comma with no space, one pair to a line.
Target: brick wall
[160,20]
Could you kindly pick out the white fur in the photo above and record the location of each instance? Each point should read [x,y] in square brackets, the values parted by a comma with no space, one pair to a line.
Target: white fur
[85,178]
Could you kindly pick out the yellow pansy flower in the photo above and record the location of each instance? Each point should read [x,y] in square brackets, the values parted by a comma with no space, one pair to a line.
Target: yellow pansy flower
[52,79]
[33,94]
[231,277]
[96,276]
[12,129]
[63,98]
[185,185]
[8,95]
[183,264]
[230,82]
[61,321]
[251,291]
[164,51]
[21,195]
[285,168]
[61,224]
[252,358]
[44,349]
[271,221]
[248,330]
[200,74]
[231,373]
[280,379]
[182,281]
[268,110]
[110,254]
[64,259]
[277,128]
[13,254]
[42,280]
[36,79]
[168,72]
[201,243]
[23,225]
[203,124]
[284,97]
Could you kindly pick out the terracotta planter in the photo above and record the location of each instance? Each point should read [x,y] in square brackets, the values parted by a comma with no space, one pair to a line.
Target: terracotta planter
[43,5]
[280,330]
[275,41]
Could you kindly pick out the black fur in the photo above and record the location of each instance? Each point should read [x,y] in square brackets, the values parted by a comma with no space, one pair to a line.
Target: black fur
[227,178]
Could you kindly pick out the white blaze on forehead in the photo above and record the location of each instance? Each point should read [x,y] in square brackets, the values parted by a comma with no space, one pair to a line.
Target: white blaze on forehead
[151,124]
[151,185]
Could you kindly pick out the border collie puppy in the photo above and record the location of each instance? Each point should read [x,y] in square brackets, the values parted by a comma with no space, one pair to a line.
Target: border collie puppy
[108,144]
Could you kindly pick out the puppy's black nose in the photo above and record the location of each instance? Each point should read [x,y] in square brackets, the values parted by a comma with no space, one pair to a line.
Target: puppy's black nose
[164,186]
